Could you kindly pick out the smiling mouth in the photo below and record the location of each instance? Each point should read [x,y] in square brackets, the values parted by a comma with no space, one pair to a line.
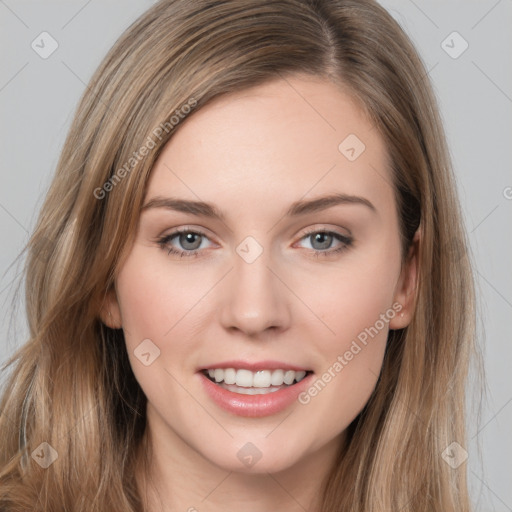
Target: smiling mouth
[261,382]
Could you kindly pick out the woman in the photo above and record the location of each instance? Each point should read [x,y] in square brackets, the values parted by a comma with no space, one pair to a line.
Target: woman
[249,369]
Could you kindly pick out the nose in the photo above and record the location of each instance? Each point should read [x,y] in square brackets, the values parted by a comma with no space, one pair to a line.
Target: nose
[255,299]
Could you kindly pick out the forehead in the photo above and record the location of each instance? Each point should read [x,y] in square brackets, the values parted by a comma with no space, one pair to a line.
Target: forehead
[273,144]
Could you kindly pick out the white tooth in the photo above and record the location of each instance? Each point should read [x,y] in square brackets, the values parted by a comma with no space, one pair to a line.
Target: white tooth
[289,377]
[229,376]
[244,378]
[277,378]
[261,379]
[300,375]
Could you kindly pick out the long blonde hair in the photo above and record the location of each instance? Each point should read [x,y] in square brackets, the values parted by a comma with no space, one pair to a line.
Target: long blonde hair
[72,386]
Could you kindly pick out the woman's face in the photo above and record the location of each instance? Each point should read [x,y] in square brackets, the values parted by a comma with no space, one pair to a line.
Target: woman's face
[269,280]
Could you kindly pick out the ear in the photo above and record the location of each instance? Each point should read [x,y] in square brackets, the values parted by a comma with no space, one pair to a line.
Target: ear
[405,291]
[109,310]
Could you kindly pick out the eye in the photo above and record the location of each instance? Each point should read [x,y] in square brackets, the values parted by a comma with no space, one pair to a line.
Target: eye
[322,240]
[191,242]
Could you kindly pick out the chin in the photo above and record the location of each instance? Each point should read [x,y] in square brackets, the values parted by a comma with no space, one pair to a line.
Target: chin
[258,457]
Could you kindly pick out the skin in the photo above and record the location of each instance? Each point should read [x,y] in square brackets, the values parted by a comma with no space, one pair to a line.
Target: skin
[252,154]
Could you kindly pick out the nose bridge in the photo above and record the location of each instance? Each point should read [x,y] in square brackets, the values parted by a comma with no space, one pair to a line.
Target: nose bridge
[255,299]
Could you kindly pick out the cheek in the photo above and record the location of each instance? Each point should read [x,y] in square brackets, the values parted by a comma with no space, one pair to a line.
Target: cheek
[356,307]
[356,315]
[351,298]
[163,303]
[351,362]
[157,304]
[155,298]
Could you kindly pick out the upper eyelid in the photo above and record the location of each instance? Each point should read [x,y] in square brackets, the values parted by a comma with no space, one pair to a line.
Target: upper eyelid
[325,229]
[185,229]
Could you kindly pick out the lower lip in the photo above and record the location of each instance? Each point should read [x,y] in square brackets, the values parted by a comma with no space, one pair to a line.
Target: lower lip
[254,405]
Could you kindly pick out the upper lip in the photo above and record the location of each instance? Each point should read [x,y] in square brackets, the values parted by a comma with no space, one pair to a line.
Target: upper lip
[255,366]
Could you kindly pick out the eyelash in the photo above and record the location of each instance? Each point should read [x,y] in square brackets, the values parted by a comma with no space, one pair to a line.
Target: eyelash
[164,241]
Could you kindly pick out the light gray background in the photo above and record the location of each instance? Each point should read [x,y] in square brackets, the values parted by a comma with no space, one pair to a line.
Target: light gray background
[38,97]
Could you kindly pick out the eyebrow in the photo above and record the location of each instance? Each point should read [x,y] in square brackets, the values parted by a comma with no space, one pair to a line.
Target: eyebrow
[301,207]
